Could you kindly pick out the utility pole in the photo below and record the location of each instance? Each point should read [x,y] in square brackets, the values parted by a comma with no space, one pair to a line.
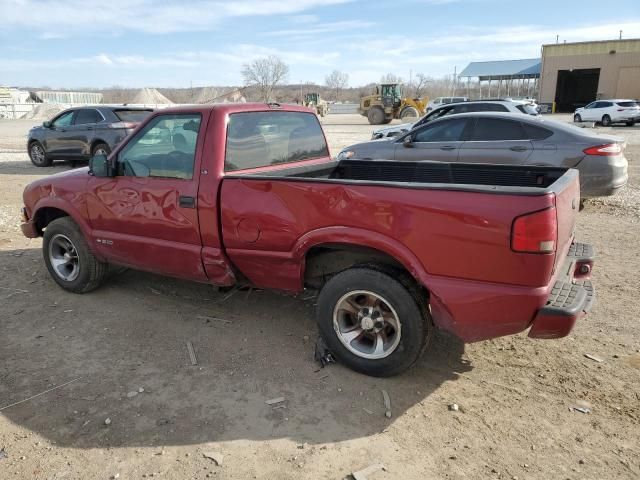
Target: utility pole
[453,89]
[557,38]
[620,35]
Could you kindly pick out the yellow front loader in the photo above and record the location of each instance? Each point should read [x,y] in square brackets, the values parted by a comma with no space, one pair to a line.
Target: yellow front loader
[387,103]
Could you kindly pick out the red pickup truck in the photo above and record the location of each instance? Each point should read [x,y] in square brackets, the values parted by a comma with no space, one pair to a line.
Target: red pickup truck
[248,194]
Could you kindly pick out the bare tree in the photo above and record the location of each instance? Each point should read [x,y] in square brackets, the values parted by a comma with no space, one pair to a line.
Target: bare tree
[265,74]
[337,81]
[390,78]
[420,84]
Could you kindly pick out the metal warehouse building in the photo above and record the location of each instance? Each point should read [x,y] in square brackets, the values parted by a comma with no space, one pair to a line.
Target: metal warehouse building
[574,74]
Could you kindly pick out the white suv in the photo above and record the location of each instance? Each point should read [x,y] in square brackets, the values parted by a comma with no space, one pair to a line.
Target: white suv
[607,112]
[438,102]
[495,105]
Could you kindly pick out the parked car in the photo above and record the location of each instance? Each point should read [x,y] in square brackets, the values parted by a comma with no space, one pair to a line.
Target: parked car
[78,133]
[439,101]
[608,112]
[497,105]
[506,138]
[249,195]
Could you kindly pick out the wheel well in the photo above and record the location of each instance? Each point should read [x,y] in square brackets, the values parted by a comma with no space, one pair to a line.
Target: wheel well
[324,261]
[46,215]
[96,142]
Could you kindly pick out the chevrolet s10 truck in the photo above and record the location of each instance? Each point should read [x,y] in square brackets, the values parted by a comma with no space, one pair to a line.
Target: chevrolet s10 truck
[247,194]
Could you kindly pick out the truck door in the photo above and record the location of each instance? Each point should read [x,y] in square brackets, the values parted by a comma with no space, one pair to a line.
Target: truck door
[437,141]
[496,140]
[146,216]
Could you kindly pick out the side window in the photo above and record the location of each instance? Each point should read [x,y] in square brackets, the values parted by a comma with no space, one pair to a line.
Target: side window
[606,104]
[534,132]
[87,115]
[459,109]
[596,105]
[489,129]
[63,120]
[261,139]
[449,130]
[165,148]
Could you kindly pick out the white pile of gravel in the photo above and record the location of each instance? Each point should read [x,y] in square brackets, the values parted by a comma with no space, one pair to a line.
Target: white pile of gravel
[43,111]
[150,96]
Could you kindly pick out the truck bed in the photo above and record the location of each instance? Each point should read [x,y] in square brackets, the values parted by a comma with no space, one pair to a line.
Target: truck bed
[529,180]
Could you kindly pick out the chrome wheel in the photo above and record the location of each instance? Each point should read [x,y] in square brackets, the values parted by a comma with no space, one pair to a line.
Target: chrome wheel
[100,151]
[63,257]
[366,324]
[37,153]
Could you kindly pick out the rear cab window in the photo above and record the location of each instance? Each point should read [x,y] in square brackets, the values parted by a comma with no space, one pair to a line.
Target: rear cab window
[262,139]
[132,115]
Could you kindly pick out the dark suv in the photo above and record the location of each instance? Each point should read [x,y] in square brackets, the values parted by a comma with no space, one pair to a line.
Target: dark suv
[79,133]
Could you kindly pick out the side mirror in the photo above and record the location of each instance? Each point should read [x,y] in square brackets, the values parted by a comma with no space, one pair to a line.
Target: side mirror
[407,141]
[46,124]
[99,166]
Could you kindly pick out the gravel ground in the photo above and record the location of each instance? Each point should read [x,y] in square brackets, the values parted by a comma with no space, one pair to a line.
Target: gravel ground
[514,393]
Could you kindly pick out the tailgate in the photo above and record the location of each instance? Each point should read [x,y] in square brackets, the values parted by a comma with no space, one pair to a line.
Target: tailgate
[567,192]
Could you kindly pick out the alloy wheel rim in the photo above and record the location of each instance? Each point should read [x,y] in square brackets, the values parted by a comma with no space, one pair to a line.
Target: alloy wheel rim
[37,153]
[64,258]
[366,324]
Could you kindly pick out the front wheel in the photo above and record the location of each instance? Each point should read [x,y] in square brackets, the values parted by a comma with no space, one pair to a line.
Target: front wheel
[606,120]
[409,112]
[577,118]
[38,155]
[101,149]
[69,259]
[630,124]
[371,322]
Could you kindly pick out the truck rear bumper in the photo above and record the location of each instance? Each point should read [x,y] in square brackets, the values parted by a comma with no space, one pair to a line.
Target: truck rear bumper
[571,297]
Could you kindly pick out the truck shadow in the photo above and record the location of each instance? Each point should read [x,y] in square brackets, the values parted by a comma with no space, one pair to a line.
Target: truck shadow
[131,335]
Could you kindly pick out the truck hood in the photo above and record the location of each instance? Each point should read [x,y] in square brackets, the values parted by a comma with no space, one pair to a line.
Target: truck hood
[67,186]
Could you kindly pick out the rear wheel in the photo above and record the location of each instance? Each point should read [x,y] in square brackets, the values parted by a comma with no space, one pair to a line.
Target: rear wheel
[376,116]
[409,112]
[577,118]
[631,124]
[38,155]
[101,149]
[606,120]
[372,322]
[69,259]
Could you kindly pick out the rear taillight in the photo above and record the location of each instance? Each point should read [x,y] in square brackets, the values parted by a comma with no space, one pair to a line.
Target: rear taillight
[606,150]
[123,125]
[535,232]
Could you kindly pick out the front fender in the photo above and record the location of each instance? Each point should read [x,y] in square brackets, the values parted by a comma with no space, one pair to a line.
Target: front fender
[67,207]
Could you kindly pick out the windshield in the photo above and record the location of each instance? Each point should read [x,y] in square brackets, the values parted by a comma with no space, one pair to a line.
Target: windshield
[528,109]
[391,91]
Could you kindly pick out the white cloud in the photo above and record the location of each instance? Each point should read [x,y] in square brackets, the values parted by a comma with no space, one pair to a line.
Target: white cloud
[79,16]
[104,59]
[346,26]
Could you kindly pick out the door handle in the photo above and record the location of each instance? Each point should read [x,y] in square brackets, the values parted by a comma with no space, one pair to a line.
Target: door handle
[447,147]
[186,202]
[518,148]
[89,128]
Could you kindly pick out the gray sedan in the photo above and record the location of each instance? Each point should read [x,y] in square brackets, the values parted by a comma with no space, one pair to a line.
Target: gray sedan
[507,138]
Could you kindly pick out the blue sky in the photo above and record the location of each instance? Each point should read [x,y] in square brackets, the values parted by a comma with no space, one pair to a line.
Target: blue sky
[134,43]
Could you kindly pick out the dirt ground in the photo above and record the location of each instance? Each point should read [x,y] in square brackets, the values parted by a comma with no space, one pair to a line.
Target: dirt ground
[514,393]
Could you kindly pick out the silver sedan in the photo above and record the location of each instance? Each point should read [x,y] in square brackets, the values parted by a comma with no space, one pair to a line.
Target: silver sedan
[507,138]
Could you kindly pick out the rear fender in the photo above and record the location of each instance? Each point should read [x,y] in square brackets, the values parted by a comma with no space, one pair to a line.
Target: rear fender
[359,238]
